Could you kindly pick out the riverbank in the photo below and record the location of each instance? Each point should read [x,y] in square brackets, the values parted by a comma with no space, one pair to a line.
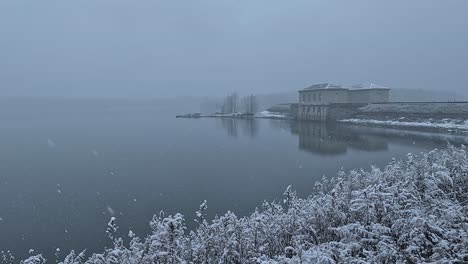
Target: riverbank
[263,114]
[446,117]
[413,121]
[459,126]
[410,211]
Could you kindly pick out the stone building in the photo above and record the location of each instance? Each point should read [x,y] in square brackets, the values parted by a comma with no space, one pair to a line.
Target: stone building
[315,101]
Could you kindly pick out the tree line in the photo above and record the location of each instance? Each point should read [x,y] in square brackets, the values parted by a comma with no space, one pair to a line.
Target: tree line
[233,104]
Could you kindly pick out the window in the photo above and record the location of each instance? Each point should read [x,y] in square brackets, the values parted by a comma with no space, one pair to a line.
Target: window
[315,97]
[308,98]
[320,97]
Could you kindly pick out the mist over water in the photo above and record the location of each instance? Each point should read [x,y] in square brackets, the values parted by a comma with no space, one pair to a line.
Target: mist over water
[69,165]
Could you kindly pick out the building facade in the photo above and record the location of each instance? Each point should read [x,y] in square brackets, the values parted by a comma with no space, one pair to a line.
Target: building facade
[315,101]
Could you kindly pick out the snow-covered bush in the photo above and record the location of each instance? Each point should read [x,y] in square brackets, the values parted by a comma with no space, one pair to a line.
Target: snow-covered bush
[412,211]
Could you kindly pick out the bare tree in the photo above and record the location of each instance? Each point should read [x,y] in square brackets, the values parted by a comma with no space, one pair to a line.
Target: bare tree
[234,102]
[250,104]
[230,104]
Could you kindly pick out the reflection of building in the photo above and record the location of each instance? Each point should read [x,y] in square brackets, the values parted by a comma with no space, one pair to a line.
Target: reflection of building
[334,139]
[315,137]
[316,101]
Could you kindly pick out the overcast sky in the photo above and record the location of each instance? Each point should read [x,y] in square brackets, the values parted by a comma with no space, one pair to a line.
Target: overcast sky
[211,47]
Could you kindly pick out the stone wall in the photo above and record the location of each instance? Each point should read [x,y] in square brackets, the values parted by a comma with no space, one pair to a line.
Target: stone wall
[343,111]
[368,96]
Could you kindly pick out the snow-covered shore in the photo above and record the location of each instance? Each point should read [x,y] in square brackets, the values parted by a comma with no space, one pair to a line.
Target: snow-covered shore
[263,114]
[444,124]
[274,115]
[446,109]
[218,115]
[411,211]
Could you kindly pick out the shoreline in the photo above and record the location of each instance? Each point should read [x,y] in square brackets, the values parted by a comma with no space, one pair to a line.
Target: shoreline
[445,125]
[261,115]
[427,125]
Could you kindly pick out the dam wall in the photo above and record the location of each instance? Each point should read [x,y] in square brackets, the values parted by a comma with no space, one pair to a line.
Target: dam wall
[410,110]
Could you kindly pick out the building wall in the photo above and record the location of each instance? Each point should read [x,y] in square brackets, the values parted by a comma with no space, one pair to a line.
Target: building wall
[330,104]
[368,96]
[343,111]
[323,97]
[380,96]
[294,110]
[313,112]
[358,96]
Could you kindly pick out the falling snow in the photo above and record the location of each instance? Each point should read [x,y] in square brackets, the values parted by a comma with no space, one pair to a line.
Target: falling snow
[51,143]
[110,210]
[411,211]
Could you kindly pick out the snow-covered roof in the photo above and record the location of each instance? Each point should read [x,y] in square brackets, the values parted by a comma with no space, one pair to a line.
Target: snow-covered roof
[368,86]
[324,86]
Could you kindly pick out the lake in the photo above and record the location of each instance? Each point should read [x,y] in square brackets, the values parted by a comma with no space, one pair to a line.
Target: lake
[67,166]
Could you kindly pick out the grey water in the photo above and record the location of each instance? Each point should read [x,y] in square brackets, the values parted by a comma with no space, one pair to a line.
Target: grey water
[67,166]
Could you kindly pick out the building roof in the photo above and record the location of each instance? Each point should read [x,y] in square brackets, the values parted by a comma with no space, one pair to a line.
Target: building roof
[368,86]
[322,86]
[330,86]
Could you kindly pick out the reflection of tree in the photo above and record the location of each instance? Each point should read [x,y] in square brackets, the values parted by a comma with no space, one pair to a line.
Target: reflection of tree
[229,124]
[249,126]
[333,139]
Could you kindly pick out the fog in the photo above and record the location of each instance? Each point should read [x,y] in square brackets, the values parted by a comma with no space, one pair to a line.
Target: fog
[153,48]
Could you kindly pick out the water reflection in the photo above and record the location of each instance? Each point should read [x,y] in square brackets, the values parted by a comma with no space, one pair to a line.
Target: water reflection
[336,139]
[412,137]
[249,127]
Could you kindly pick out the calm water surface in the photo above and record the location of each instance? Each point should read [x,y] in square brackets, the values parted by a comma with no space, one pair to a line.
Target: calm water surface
[67,166]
